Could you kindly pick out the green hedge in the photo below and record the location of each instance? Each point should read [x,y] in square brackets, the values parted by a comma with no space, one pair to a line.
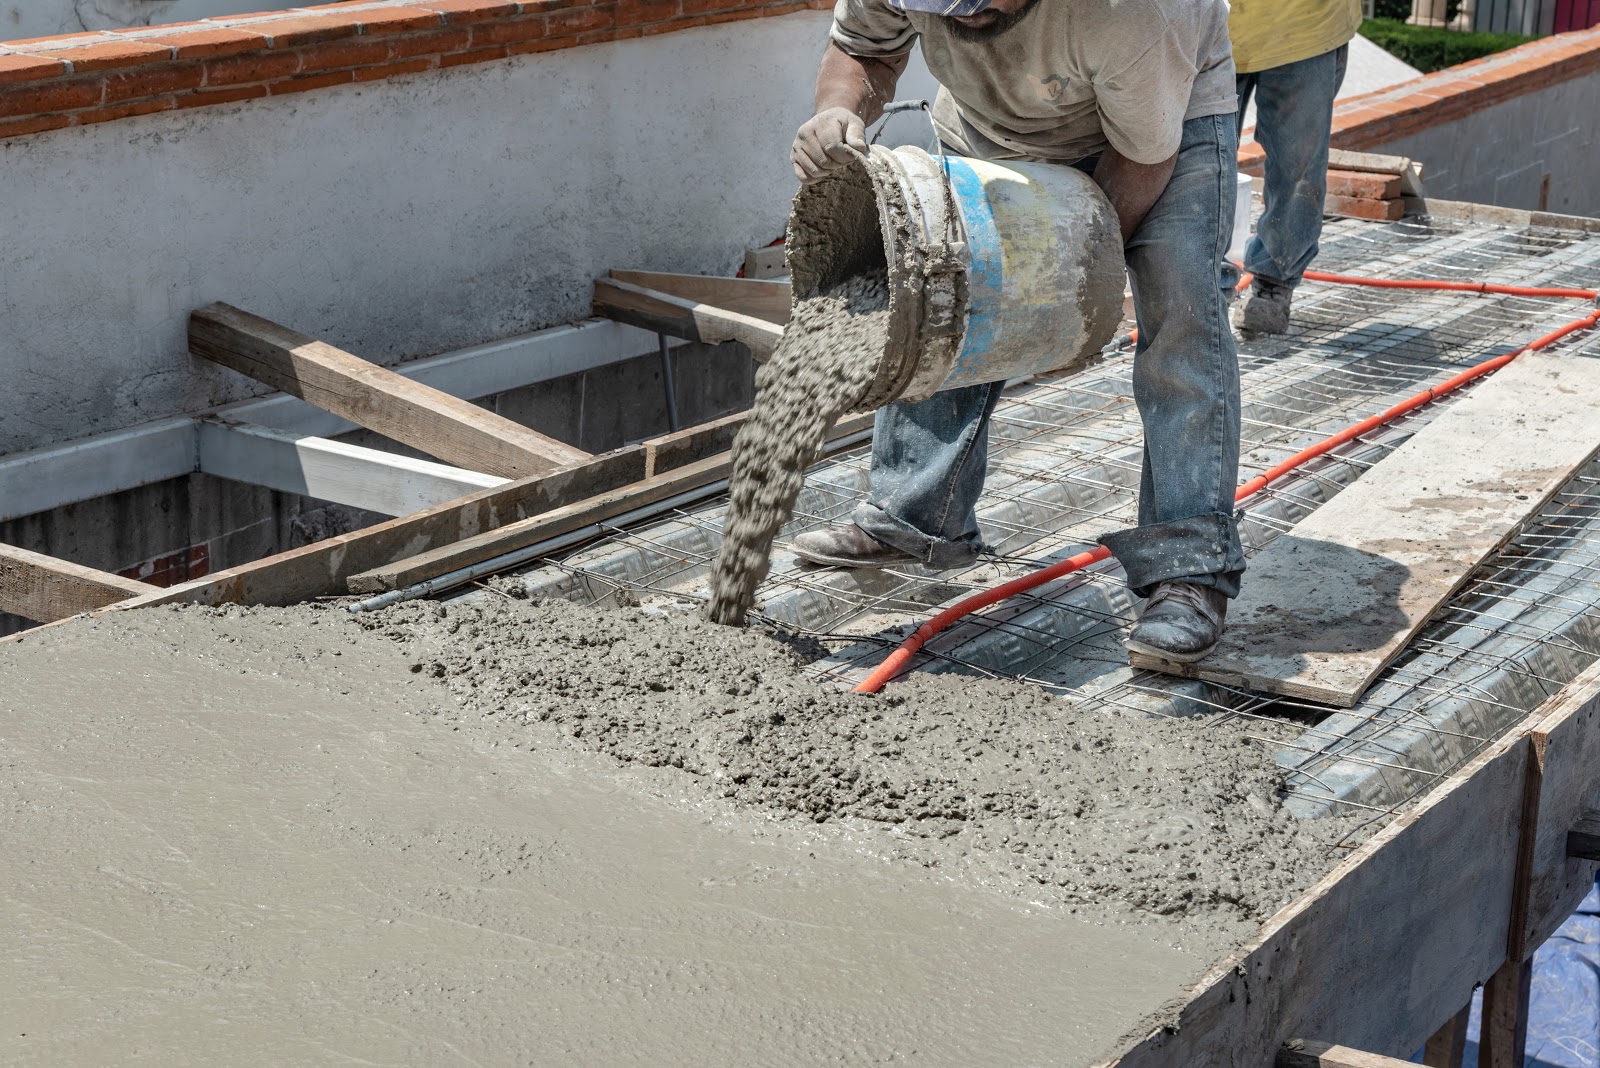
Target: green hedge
[1430,48]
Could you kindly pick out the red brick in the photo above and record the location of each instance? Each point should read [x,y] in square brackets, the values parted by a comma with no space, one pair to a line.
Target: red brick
[337,54]
[310,29]
[732,16]
[169,78]
[787,8]
[676,24]
[255,67]
[581,20]
[508,31]
[59,40]
[1364,208]
[706,7]
[311,81]
[1363,184]
[37,124]
[390,70]
[477,55]
[396,20]
[14,69]
[210,44]
[431,43]
[124,111]
[620,33]
[547,7]
[113,54]
[231,95]
[549,44]
[459,12]
[645,12]
[51,96]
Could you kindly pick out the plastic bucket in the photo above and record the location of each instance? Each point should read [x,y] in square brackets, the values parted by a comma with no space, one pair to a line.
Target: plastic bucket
[1005,270]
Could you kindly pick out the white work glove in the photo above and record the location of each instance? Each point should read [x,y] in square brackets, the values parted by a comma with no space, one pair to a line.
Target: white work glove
[819,147]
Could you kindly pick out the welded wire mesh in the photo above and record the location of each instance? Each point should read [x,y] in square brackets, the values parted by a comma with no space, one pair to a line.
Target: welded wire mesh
[1064,464]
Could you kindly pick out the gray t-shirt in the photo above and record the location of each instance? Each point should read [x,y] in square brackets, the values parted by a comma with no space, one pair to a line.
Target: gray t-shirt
[1073,76]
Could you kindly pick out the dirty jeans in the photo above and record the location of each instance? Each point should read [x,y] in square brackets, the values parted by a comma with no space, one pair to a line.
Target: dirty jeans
[929,458]
[1294,115]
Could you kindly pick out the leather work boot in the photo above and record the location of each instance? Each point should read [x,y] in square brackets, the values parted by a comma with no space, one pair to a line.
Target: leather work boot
[1181,622]
[1265,310]
[846,545]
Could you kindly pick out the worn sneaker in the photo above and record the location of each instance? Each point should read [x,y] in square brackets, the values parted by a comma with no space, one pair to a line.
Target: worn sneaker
[1182,622]
[1266,309]
[846,545]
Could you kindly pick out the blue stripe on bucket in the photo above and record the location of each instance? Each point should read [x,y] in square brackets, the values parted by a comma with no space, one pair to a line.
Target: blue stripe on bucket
[987,272]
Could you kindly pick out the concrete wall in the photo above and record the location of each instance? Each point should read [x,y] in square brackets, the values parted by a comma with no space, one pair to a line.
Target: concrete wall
[1539,150]
[396,218]
[46,18]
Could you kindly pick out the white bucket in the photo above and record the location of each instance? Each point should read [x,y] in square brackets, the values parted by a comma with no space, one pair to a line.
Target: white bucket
[1241,217]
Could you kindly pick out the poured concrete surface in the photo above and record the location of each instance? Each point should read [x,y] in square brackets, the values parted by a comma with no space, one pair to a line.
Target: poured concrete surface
[257,838]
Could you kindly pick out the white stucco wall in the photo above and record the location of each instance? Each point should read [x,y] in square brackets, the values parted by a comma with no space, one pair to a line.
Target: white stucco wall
[1501,154]
[45,18]
[396,219]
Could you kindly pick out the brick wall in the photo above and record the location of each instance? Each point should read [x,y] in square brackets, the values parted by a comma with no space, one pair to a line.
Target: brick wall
[76,80]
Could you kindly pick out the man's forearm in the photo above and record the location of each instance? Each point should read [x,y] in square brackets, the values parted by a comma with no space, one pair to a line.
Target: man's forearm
[859,85]
[1133,188]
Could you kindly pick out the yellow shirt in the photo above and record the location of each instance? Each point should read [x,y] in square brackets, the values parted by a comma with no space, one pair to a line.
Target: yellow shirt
[1271,33]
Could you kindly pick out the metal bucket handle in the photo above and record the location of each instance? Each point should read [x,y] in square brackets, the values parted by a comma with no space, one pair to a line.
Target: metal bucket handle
[948,253]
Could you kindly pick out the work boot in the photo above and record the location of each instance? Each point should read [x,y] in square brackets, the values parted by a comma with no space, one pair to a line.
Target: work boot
[846,545]
[1266,309]
[1181,622]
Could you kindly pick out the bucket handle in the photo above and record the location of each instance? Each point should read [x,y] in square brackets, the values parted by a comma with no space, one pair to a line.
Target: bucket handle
[952,245]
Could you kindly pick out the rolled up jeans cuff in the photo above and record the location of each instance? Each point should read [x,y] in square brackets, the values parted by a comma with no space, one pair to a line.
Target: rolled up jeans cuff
[1203,549]
[940,553]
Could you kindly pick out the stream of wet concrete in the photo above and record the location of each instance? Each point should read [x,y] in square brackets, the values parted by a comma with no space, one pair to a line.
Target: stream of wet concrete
[520,833]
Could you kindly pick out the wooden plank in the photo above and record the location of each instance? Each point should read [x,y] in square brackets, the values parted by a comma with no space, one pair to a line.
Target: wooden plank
[1494,215]
[486,546]
[45,589]
[1571,736]
[707,439]
[377,398]
[1304,1053]
[333,470]
[664,313]
[323,567]
[766,300]
[1583,841]
[1503,1032]
[1325,607]
[1448,1046]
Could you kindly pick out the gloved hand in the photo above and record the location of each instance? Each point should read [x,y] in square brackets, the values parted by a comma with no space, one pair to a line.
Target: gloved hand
[819,146]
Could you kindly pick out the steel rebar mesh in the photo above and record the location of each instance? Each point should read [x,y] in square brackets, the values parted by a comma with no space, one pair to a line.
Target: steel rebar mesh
[1064,467]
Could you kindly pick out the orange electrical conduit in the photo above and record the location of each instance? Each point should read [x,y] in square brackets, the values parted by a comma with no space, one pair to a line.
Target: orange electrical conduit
[898,659]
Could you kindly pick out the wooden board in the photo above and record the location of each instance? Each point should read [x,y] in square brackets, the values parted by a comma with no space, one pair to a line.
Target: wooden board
[1326,606]
[45,589]
[1408,171]
[456,431]
[1387,947]
[1571,790]
[1302,1053]
[652,309]
[486,546]
[767,300]
[332,470]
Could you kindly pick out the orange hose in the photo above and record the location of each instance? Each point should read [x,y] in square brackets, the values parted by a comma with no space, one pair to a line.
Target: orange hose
[1458,287]
[897,660]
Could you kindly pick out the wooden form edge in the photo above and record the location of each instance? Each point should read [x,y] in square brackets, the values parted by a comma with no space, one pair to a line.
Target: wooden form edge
[1230,990]
[47,589]
[454,430]
[694,320]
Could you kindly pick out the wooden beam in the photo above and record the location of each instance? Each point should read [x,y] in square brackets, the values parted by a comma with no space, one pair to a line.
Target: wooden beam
[45,589]
[1304,1053]
[1326,606]
[652,309]
[1558,882]
[1583,841]
[765,300]
[486,546]
[1503,1034]
[332,470]
[1408,170]
[377,398]
[1494,215]
[1448,1046]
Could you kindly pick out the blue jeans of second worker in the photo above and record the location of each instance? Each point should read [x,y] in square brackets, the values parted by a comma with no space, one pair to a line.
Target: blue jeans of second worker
[929,458]
[1294,115]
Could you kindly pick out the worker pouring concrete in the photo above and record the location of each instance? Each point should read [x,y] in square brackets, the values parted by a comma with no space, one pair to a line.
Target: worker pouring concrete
[1290,55]
[1140,94]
